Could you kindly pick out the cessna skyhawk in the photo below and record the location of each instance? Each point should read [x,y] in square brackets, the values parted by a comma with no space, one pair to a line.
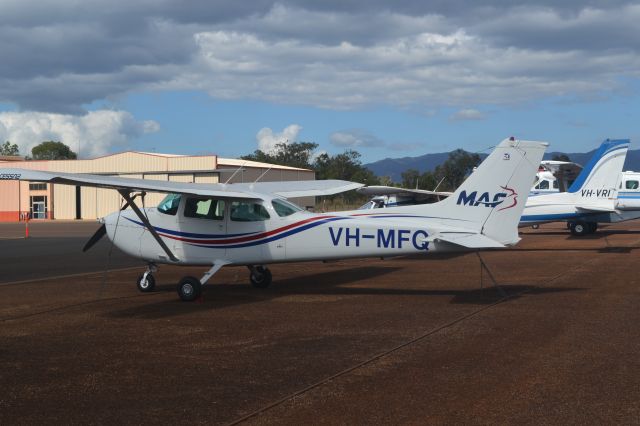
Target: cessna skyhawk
[254,225]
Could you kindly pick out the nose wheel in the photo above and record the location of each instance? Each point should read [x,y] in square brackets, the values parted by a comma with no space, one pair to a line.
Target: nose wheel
[146,282]
[260,276]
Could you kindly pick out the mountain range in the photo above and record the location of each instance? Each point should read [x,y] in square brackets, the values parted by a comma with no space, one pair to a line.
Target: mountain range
[393,167]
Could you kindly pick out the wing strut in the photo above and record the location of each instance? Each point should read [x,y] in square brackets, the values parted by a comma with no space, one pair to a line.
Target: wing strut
[125,194]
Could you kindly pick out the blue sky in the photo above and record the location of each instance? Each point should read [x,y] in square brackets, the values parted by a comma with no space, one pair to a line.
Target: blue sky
[387,80]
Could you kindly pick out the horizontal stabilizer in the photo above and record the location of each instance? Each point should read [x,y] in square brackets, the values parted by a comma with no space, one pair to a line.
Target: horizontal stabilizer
[468,240]
[604,207]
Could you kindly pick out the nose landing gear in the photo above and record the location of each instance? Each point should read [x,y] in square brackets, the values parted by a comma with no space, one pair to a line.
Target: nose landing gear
[146,282]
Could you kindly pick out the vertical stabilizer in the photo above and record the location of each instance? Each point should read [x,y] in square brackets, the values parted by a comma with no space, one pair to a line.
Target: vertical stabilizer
[602,171]
[491,200]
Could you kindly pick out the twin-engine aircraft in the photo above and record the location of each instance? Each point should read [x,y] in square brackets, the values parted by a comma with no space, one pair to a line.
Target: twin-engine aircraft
[254,225]
[593,197]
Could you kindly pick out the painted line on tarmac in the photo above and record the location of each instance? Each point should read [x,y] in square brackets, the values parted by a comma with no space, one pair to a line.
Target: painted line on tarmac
[58,277]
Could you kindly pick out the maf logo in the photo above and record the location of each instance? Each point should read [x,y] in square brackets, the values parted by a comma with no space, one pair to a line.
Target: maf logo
[487,200]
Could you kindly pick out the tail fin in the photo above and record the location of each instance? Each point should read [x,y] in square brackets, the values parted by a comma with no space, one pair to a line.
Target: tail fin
[491,200]
[603,169]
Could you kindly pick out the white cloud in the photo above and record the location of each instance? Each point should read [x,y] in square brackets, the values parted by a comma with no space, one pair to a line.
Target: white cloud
[467,114]
[354,138]
[96,132]
[267,139]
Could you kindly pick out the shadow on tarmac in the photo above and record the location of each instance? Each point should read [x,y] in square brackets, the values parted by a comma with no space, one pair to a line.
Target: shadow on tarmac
[219,296]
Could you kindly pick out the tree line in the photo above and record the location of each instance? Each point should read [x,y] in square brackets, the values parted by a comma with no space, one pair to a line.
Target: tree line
[47,150]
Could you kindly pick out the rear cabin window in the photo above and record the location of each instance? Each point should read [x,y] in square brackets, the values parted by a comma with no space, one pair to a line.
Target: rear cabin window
[555,184]
[631,184]
[169,205]
[204,208]
[544,184]
[248,211]
[284,208]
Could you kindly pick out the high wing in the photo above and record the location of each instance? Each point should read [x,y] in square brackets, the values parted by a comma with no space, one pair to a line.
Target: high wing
[300,188]
[391,190]
[235,190]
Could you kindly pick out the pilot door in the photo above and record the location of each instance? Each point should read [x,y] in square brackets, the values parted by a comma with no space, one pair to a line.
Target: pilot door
[202,230]
[247,231]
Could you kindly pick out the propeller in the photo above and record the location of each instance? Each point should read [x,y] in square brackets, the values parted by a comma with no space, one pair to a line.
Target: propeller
[95,237]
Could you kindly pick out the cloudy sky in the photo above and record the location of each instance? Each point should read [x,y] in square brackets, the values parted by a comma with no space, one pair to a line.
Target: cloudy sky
[388,79]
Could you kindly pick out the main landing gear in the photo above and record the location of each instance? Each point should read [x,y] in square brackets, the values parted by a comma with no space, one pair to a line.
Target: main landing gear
[581,228]
[259,276]
[190,288]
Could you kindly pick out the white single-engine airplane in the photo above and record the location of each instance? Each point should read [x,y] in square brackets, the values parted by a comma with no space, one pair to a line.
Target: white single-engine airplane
[253,225]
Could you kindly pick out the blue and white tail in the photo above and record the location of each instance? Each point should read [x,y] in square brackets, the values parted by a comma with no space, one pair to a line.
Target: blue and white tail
[599,178]
[491,200]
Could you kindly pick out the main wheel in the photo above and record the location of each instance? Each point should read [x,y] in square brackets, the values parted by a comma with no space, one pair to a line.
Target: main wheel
[579,229]
[146,285]
[592,227]
[260,277]
[189,289]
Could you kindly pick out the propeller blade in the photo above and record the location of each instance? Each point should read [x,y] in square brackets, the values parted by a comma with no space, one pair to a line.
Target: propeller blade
[95,238]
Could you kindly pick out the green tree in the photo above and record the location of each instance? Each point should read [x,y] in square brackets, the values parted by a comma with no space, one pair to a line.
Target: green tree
[410,178]
[455,169]
[561,157]
[345,166]
[427,180]
[50,150]
[296,154]
[9,149]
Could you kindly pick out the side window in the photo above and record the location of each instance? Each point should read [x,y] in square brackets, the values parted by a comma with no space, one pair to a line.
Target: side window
[544,184]
[204,208]
[631,184]
[169,205]
[248,211]
[555,184]
[284,208]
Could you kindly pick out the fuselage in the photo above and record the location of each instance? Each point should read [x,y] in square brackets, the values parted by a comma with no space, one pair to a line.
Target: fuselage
[246,232]
[566,206]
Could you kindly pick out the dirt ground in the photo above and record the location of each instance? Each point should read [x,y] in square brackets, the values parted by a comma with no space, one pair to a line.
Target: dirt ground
[424,340]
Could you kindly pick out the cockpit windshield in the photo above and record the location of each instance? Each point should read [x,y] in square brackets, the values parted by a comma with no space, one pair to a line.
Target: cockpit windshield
[169,205]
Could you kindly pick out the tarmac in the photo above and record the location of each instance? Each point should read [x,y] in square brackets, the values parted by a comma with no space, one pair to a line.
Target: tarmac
[424,340]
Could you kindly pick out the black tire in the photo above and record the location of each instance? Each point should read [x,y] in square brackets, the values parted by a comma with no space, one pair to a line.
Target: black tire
[147,285]
[189,289]
[579,229]
[592,226]
[260,277]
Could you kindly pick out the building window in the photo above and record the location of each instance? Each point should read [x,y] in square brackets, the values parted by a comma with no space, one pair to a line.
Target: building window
[37,187]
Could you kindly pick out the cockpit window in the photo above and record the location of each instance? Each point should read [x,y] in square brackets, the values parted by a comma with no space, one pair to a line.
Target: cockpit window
[631,184]
[204,208]
[248,211]
[544,184]
[169,205]
[284,208]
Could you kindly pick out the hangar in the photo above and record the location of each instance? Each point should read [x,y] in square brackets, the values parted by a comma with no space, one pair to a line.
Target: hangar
[56,201]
